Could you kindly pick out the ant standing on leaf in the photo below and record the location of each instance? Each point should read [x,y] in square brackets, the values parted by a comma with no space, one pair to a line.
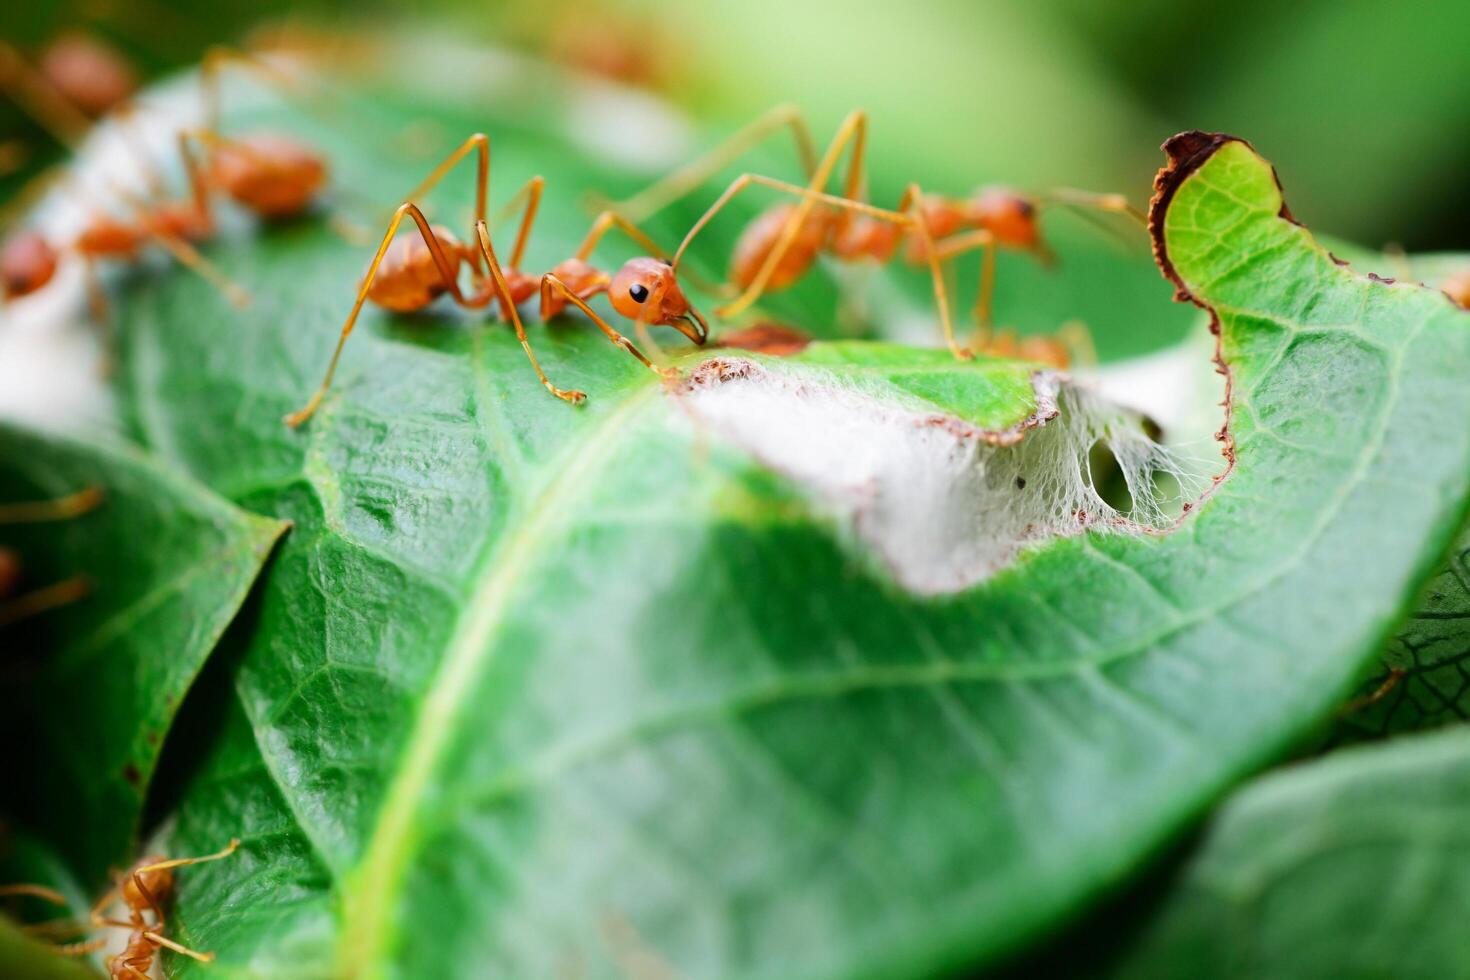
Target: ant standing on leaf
[408,274]
[273,176]
[14,608]
[145,890]
[783,242]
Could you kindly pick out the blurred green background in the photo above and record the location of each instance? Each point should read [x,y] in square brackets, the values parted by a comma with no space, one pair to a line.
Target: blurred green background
[1364,106]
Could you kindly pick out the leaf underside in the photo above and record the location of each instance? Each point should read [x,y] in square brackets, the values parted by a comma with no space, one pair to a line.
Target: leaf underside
[1373,837]
[167,564]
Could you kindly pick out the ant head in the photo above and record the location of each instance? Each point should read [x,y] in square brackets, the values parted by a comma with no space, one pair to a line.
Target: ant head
[1008,215]
[646,289]
[27,262]
[158,882]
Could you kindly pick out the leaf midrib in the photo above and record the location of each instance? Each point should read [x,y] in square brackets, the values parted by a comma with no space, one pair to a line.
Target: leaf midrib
[370,891]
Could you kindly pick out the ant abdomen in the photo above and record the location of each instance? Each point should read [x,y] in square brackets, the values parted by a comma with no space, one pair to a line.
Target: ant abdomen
[763,234]
[274,176]
[409,279]
[862,237]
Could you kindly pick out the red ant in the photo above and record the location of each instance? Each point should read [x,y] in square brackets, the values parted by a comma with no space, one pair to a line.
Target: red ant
[782,243]
[272,175]
[13,608]
[77,78]
[410,273]
[146,887]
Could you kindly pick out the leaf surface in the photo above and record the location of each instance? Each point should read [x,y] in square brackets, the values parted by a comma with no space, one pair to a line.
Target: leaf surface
[536,689]
[1339,868]
[98,682]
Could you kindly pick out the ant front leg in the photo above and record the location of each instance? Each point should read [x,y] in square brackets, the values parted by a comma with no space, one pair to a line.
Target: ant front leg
[680,183]
[552,286]
[497,278]
[1089,205]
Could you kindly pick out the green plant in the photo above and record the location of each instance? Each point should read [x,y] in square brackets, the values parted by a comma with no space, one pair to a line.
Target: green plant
[830,665]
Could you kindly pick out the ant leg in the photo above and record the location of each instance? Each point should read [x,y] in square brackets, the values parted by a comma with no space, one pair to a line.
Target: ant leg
[608,220]
[1108,203]
[135,972]
[957,245]
[531,190]
[853,130]
[84,948]
[35,891]
[188,256]
[446,271]
[913,196]
[213,64]
[902,216]
[125,117]
[177,948]
[194,166]
[59,509]
[43,600]
[549,282]
[219,855]
[137,875]
[1078,339]
[30,90]
[478,142]
[687,179]
[1088,205]
[497,277]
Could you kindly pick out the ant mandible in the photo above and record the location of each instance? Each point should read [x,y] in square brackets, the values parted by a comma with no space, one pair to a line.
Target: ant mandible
[51,596]
[408,274]
[782,243]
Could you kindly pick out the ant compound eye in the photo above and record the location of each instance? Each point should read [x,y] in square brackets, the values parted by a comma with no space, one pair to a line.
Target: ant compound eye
[638,291]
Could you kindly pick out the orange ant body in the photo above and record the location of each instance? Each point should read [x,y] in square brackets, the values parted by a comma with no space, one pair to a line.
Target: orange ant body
[782,243]
[273,176]
[14,608]
[409,273]
[145,888]
[148,886]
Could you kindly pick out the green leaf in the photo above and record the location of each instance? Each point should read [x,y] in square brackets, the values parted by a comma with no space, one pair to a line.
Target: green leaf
[1423,679]
[24,958]
[535,689]
[97,683]
[1340,868]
